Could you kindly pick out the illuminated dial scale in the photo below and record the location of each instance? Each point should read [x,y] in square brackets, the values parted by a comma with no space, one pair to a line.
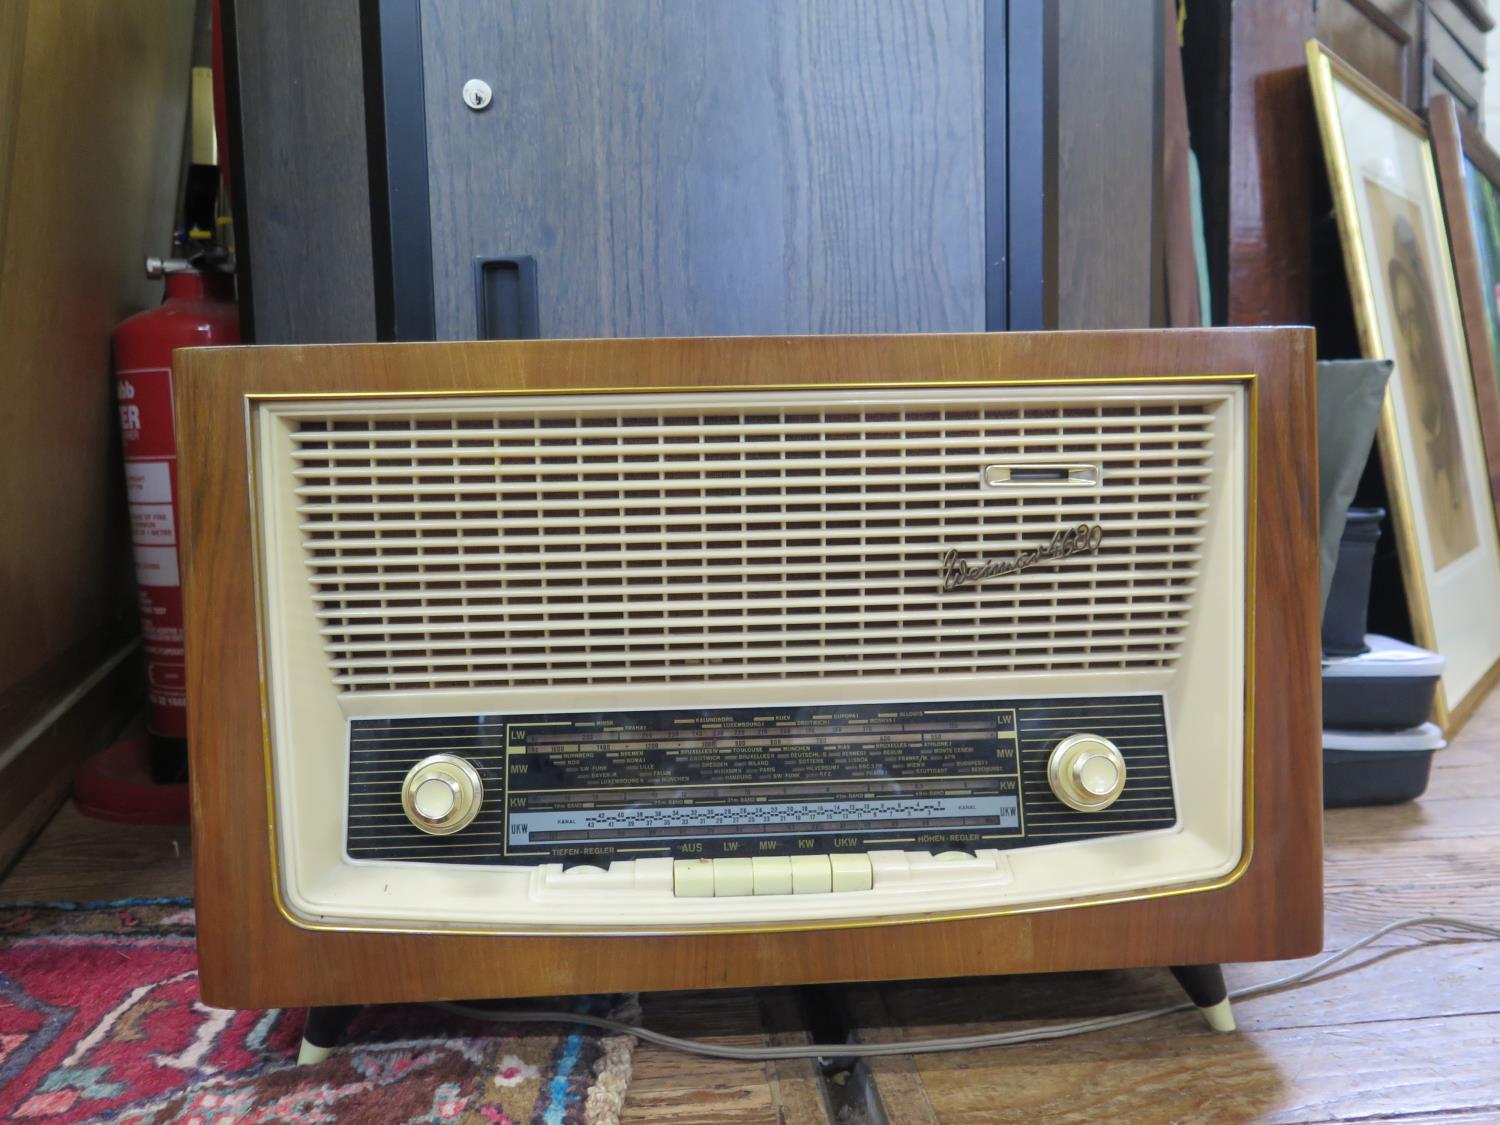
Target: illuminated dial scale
[751,801]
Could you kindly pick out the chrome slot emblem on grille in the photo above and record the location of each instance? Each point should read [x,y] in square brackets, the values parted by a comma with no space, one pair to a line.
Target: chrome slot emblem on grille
[1083,539]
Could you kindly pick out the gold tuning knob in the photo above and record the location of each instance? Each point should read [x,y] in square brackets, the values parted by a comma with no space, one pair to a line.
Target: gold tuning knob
[1086,772]
[441,794]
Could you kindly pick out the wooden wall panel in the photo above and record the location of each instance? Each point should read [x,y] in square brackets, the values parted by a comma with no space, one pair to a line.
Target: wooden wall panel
[1469,22]
[1251,117]
[1266,204]
[1453,57]
[1490,115]
[1109,106]
[93,99]
[1380,38]
[1181,287]
[12,60]
[305,218]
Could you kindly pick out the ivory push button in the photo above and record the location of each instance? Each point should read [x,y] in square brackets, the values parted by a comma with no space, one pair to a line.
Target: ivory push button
[1086,772]
[772,875]
[733,877]
[441,795]
[811,875]
[693,878]
[851,872]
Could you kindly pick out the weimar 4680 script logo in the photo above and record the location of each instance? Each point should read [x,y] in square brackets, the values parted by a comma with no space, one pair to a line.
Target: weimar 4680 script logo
[1080,540]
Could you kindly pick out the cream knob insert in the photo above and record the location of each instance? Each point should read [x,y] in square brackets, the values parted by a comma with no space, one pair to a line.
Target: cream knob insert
[1086,772]
[441,794]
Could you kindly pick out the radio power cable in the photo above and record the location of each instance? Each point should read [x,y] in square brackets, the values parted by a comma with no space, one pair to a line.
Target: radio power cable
[968,1042]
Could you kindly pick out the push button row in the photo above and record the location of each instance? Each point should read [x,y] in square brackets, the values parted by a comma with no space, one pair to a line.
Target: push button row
[771,875]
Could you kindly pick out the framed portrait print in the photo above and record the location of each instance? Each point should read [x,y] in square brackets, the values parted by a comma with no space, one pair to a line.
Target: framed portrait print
[1396,253]
[1469,175]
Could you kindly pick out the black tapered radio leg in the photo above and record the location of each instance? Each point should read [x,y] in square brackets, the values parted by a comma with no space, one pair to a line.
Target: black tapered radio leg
[1204,985]
[323,1029]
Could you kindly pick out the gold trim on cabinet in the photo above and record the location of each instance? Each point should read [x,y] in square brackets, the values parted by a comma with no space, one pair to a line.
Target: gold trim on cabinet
[1252,453]
[725,388]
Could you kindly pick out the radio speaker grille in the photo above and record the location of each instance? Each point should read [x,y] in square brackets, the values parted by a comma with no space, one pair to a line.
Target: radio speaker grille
[559,545]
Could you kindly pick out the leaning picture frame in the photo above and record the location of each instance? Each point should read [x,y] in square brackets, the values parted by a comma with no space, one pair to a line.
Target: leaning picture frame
[1469,175]
[1401,282]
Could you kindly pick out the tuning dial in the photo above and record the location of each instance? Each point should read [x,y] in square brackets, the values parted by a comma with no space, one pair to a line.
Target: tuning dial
[441,794]
[1087,772]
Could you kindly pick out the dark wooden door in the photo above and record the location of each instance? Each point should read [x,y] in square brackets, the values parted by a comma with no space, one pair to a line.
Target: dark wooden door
[715,168]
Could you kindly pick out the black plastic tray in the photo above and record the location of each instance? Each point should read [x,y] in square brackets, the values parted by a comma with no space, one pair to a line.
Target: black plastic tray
[1378,703]
[1388,687]
[1374,777]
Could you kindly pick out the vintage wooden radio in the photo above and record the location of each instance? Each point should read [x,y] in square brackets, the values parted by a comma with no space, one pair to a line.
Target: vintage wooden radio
[571,666]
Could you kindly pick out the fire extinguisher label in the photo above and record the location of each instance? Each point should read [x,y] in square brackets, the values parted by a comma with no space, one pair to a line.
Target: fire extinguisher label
[156,566]
[145,396]
[152,523]
[148,482]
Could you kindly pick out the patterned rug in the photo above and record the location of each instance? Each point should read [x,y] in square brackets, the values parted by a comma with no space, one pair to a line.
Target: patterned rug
[100,1021]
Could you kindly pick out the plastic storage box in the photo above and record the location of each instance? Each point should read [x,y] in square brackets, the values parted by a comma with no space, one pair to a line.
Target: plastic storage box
[1390,687]
[1366,768]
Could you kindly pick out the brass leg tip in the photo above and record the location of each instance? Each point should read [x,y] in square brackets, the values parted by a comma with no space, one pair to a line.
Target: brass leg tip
[310,1054]
[1220,1016]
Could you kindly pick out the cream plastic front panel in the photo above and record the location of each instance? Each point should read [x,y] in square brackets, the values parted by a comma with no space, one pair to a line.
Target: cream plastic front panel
[1201,676]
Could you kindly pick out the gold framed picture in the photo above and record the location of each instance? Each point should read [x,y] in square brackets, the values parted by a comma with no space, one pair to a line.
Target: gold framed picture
[1390,218]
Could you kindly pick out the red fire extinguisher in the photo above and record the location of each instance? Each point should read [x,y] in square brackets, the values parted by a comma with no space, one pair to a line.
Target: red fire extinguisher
[199,310]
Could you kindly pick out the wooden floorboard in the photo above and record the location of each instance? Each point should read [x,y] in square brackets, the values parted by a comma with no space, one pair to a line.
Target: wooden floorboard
[1431,818]
[78,859]
[1306,1074]
[1410,1034]
[672,1087]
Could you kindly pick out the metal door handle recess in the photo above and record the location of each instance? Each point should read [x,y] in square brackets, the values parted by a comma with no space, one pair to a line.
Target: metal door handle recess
[505,289]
